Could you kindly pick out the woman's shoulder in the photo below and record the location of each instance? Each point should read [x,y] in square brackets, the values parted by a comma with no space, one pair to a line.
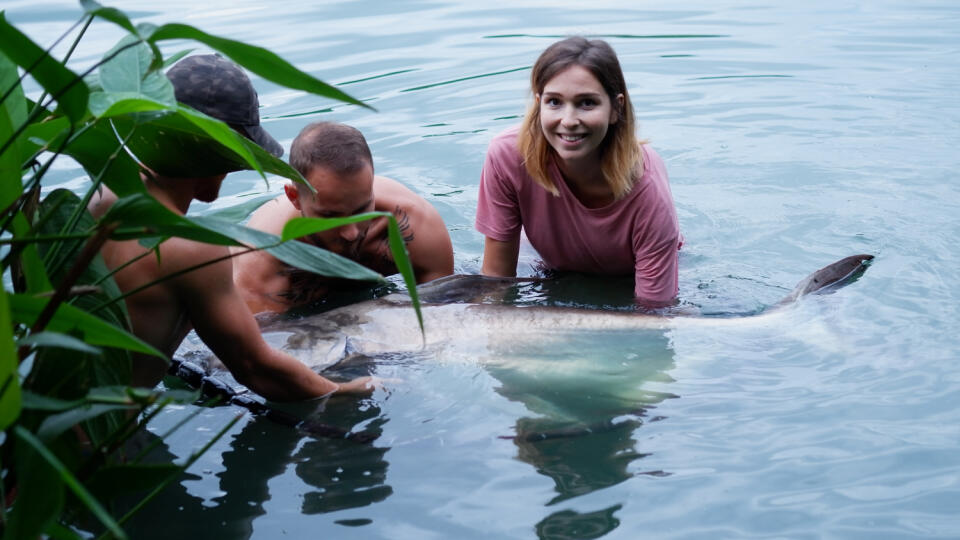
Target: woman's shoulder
[503,152]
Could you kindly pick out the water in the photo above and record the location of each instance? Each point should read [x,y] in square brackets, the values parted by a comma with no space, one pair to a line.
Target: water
[794,135]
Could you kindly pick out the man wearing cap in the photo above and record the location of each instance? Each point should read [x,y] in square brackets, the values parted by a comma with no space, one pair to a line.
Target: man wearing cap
[336,161]
[205,298]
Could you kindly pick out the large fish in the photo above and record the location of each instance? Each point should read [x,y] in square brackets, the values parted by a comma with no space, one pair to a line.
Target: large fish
[465,318]
[458,308]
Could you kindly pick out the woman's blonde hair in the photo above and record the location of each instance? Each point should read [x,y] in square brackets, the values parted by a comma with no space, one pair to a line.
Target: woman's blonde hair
[620,159]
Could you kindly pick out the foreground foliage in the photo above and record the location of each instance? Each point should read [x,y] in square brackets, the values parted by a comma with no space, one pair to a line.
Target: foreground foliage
[73,438]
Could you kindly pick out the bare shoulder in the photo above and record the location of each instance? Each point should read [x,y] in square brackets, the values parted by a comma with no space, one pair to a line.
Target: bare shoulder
[273,215]
[390,196]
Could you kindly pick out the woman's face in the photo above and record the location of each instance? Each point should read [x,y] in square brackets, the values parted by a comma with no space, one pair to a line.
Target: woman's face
[575,113]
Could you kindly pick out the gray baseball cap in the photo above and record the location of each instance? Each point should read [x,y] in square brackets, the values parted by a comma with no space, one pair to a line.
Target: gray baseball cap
[217,87]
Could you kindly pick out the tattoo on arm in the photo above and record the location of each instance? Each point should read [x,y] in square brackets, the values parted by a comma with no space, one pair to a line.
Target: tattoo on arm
[406,232]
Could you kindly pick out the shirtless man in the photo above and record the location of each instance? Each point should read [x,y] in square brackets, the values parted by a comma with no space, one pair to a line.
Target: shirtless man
[205,299]
[336,160]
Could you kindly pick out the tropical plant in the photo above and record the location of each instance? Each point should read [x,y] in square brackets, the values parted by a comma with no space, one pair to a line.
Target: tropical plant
[67,412]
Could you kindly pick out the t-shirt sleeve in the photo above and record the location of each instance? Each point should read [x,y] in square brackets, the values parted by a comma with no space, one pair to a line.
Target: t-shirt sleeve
[656,244]
[657,272]
[498,208]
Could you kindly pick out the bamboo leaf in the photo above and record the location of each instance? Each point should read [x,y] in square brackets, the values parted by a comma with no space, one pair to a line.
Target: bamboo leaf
[64,85]
[258,60]
[71,482]
[25,309]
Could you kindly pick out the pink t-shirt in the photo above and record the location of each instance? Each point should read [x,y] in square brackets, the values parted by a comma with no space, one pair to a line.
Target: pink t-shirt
[638,234]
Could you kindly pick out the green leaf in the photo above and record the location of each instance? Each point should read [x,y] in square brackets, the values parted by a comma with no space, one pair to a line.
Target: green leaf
[64,85]
[300,227]
[13,113]
[96,147]
[61,341]
[71,482]
[33,401]
[39,500]
[30,263]
[55,425]
[239,212]
[264,63]
[9,379]
[297,254]
[188,144]
[402,259]
[25,309]
[140,215]
[111,104]
[129,72]
[109,14]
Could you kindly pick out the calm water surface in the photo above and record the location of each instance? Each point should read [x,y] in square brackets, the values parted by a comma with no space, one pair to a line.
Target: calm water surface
[794,135]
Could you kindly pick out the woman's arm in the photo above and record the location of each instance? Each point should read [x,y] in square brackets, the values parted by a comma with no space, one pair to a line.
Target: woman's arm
[500,258]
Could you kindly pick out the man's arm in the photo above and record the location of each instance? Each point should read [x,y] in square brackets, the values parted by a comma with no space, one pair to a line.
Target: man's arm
[225,324]
[431,251]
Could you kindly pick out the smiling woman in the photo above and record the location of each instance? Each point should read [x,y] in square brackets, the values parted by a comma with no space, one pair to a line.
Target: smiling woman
[587,194]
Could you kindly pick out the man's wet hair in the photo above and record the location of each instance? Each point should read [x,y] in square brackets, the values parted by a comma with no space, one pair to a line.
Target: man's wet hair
[337,147]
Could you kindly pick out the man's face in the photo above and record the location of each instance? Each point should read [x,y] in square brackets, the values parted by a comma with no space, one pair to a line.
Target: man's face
[337,196]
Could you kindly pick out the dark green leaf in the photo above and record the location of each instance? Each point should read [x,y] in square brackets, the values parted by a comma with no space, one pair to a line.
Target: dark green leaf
[140,215]
[256,59]
[188,144]
[9,379]
[297,254]
[71,482]
[13,113]
[39,500]
[39,402]
[97,148]
[62,341]
[64,85]
[25,309]
[56,424]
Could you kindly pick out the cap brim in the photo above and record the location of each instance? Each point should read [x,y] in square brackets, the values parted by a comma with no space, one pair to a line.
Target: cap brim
[260,136]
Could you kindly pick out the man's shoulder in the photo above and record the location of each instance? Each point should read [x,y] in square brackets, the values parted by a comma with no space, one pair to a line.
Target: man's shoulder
[390,194]
[273,215]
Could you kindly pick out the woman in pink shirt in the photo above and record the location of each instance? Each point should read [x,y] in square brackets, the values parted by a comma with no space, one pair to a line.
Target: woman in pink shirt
[589,196]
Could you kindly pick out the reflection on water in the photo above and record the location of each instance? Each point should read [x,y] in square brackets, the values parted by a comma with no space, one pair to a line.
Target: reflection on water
[337,473]
[588,398]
